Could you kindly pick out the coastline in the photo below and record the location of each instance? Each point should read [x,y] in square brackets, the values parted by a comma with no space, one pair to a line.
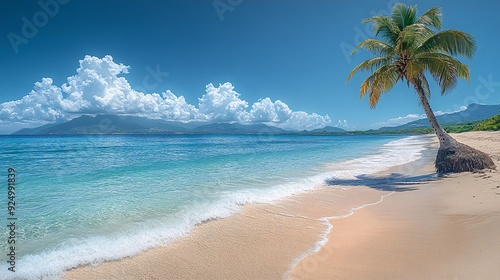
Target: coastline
[301,232]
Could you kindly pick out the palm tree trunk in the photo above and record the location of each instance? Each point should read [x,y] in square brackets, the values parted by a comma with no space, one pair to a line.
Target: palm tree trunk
[452,156]
[445,140]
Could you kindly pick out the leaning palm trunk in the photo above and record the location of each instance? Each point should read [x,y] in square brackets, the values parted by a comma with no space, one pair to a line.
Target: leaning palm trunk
[452,156]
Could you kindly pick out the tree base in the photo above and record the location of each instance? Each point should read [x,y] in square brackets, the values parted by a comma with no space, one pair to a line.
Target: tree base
[462,158]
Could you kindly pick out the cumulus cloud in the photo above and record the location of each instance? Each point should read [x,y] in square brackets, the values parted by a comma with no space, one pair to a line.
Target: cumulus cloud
[343,124]
[303,121]
[265,110]
[41,104]
[96,88]
[222,103]
[99,87]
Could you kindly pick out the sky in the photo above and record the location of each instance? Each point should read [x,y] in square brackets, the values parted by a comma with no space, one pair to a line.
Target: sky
[282,62]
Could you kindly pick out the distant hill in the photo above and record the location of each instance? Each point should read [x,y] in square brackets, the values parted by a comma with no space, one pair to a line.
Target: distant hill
[474,112]
[105,124]
[236,128]
[34,131]
[328,129]
[112,124]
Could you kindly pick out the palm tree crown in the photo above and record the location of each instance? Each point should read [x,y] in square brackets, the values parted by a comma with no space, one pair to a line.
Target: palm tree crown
[411,46]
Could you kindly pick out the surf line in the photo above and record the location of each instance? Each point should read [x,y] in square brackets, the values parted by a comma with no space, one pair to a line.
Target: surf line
[324,236]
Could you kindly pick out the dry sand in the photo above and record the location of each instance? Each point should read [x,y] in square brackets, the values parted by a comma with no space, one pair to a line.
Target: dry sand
[445,229]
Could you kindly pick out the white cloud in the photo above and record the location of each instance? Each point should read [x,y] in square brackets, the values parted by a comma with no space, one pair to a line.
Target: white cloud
[279,114]
[400,120]
[439,113]
[303,121]
[343,124]
[222,103]
[265,110]
[41,104]
[98,87]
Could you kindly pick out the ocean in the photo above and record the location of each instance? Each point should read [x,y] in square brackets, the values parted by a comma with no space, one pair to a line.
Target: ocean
[91,198]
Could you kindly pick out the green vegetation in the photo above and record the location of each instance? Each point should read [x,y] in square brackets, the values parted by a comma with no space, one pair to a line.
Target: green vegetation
[492,124]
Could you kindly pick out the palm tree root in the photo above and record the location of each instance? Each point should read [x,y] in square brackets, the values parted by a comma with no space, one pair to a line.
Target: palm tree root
[462,158]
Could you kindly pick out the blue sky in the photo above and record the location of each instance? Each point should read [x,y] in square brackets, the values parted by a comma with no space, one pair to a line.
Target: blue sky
[259,51]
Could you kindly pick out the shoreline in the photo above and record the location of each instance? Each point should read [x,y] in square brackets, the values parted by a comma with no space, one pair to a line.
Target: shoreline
[234,246]
[246,245]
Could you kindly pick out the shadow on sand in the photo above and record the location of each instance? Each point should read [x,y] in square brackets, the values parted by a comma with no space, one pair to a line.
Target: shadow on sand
[394,182]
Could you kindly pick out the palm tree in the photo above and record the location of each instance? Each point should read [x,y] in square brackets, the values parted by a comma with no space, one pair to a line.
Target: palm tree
[410,47]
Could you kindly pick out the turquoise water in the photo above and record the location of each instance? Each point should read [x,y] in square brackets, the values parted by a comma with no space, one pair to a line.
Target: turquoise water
[86,199]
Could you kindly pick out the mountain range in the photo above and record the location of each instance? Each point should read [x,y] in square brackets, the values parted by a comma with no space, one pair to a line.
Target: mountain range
[113,124]
[474,112]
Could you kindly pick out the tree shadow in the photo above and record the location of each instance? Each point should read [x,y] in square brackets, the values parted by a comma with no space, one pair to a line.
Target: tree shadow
[394,182]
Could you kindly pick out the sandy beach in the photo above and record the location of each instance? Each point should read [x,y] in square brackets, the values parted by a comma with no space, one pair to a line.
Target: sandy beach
[403,224]
[444,230]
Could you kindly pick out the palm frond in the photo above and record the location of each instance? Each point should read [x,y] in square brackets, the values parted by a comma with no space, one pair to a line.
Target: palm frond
[403,15]
[370,65]
[379,82]
[382,26]
[444,69]
[453,42]
[433,18]
[375,46]
[412,36]
[425,86]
